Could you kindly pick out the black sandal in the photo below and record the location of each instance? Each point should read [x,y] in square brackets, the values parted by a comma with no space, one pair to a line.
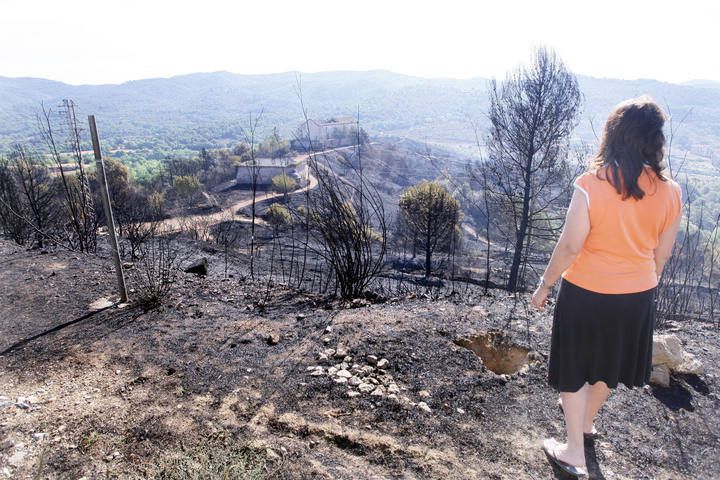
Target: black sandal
[549,446]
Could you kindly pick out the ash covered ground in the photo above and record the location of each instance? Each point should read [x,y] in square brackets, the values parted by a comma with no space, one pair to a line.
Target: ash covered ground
[229,365]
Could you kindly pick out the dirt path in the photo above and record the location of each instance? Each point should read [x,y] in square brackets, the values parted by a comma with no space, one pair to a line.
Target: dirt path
[176,224]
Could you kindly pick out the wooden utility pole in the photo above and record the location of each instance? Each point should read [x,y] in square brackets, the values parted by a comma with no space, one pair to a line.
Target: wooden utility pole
[107,207]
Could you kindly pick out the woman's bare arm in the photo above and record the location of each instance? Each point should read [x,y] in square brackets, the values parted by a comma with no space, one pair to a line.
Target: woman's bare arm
[575,231]
[665,245]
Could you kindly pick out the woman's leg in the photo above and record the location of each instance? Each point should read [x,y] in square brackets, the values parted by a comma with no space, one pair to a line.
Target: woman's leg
[597,393]
[574,406]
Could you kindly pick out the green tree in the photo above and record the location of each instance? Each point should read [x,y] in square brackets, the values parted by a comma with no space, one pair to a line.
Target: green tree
[278,216]
[284,183]
[186,186]
[118,176]
[156,202]
[431,213]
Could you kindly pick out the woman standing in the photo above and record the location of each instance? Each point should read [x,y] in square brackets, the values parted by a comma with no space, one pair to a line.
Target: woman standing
[619,232]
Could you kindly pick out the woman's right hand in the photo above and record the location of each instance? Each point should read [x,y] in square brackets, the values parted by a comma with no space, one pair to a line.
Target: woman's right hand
[539,297]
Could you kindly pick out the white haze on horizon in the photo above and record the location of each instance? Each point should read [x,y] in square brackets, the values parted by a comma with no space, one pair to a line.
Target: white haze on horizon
[91,42]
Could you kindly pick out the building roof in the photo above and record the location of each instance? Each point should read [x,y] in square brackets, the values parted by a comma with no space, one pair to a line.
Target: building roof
[335,121]
[269,162]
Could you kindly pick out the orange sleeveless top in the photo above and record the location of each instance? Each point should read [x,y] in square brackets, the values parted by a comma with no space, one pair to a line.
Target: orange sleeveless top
[617,256]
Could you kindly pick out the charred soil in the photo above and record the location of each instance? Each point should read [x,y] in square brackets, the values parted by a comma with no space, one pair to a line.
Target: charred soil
[226,363]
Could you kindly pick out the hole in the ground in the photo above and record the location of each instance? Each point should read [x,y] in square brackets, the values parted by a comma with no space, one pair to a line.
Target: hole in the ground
[498,353]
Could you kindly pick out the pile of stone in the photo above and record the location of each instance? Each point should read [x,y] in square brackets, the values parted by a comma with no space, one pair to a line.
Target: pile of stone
[367,378]
[668,356]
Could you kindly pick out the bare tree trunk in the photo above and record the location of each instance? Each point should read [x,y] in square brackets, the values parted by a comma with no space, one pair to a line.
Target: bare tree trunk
[250,138]
[522,231]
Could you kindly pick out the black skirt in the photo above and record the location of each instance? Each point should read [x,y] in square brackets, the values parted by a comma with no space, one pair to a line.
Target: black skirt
[601,337]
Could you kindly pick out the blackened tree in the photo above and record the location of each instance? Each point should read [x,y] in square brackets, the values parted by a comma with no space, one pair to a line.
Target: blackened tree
[529,172]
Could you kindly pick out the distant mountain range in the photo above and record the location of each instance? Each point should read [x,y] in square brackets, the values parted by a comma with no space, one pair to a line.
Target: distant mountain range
[702,83]
[209,109]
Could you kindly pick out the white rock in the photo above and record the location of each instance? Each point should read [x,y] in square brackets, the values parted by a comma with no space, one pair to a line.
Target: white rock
[39,436]
[352,393]
[382,363]
[690,365]
[332,370]
[317,372]
[660,375]
[366,387]
[379,391]
[668,350]
[392,388]
[344,373]
[354,381]
[460,411]
[424,406]
[272,454]
[424,394]
[372,359]
[340,380]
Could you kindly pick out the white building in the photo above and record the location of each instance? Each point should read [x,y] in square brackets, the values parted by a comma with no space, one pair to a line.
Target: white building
[268,168]
[327,131]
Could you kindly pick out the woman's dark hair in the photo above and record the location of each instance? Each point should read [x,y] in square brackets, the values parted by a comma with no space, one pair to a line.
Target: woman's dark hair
[632,138]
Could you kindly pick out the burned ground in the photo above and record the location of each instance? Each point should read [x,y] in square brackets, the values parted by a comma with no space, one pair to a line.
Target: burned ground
[224,364]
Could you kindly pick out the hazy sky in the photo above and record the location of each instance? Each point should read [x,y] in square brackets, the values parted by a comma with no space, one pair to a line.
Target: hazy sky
[110,41]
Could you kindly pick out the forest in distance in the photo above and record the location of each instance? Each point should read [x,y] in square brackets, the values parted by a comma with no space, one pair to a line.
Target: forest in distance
[145,122]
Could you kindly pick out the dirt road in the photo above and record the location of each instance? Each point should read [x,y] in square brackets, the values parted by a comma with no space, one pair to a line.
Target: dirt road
[176,224]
